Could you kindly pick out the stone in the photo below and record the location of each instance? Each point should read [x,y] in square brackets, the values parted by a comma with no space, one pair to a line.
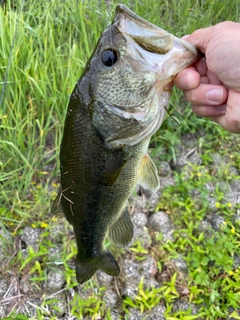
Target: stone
[216,221]
[114,313]
[4,285]
[142,235]
[157,313]
[130,289]
[161,222]
[55,281]
[180,264]
[166,181]
[148,268]
[164,169]
[134,314]
[59,306]
[104,279]
[30,236]
[181,305]
[130,269]
[111,298]
[205,227]
[139,219]
[30,287]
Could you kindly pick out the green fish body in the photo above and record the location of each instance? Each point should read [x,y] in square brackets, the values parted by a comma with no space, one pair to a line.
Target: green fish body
[115,108]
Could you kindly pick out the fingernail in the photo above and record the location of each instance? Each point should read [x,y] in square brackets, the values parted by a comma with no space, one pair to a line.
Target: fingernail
[215,95]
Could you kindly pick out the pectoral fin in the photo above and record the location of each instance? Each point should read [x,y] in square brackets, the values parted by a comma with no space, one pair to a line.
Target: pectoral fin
[56,206]
[148,175]
[112,170]
[121,232]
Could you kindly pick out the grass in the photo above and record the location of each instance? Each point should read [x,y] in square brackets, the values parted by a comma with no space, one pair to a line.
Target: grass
[43,50]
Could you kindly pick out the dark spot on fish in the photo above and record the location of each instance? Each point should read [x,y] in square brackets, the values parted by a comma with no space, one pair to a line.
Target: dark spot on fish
[109,57]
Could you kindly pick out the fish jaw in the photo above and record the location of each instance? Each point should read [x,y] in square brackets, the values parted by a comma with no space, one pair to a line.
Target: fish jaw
[155,49]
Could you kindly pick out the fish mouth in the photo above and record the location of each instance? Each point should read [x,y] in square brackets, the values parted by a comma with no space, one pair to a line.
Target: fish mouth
[157,50]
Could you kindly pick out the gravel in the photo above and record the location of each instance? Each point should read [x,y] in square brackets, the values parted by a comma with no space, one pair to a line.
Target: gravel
[147,225]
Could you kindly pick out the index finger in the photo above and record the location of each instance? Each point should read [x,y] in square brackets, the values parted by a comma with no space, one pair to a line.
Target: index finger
[200,38]
[187,79]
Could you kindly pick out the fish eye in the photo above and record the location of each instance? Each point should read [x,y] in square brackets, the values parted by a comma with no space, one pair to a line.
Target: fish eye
[109,57]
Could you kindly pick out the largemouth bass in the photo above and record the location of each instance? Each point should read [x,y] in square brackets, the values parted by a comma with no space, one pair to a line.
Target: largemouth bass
[115,108]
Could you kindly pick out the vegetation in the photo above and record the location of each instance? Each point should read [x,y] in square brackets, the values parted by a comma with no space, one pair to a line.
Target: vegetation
[43,49]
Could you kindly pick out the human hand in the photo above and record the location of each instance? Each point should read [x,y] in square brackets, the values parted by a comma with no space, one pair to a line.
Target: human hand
[212,84]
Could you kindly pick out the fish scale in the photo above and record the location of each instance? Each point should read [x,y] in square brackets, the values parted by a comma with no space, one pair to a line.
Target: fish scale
[117,105]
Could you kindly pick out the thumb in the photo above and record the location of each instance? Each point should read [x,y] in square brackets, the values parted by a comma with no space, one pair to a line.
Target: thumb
[200,38]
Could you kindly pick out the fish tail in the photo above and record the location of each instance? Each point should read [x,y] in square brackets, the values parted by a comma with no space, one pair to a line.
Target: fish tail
[85,269]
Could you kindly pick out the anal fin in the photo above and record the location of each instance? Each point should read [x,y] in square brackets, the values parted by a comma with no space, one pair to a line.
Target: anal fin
[148,174]
[121,232]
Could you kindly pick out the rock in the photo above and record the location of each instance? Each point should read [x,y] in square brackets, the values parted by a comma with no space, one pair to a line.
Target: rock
[55,253]
[161,222]
[217,160]
[236,218]
[139,219]
[212,204]
[231,310]
[180,264]
[29,287]
[60,306]
[187,161]
[148,268]
[205,227]
[104,279]
[235,186]
[115,314]
[135,314]
[216,221]
[157,313]
[166,181]
[164,169]
[30,236]
[58,230]
[111,298]
[55,281]
[130,289]
[4,285]
[131,275]
[130,270]
[181,305]
[142,235]
[135,272]
[154,200]
[31,308]
[236,259]
[3,312]
[234,192]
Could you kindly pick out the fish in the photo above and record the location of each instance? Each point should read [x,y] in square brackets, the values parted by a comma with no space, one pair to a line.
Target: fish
[119,102]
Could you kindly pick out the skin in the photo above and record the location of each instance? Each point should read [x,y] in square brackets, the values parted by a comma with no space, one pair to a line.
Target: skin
[212,84]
